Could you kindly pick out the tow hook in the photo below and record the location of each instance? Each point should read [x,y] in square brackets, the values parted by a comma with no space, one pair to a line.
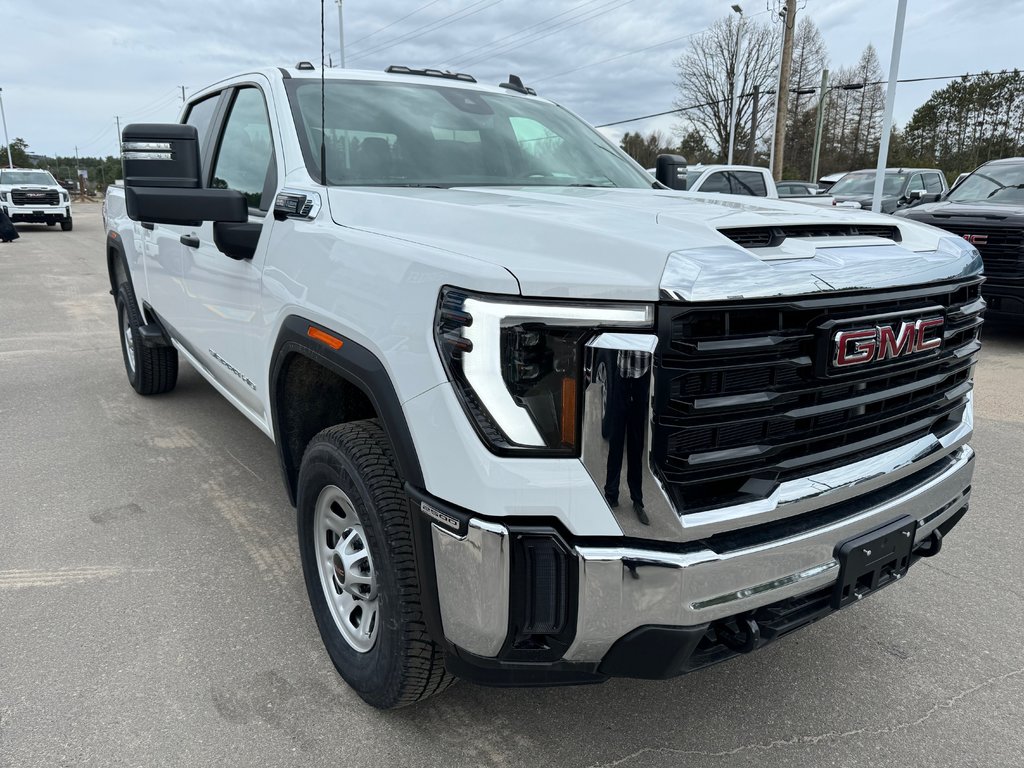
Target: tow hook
[931,545]
[744,640]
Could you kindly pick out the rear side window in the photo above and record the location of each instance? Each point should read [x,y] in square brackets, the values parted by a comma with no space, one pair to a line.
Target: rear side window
[748,183]
[716,182]
[200,115]
[933,182]
[245,159]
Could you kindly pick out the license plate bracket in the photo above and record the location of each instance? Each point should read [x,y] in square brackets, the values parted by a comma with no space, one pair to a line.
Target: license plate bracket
[873,560]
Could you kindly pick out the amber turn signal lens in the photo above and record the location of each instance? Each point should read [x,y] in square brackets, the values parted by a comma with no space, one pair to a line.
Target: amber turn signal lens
[568,411]
[331,341]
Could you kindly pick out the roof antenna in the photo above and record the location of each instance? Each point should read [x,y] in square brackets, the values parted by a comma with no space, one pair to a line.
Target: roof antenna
[323,122]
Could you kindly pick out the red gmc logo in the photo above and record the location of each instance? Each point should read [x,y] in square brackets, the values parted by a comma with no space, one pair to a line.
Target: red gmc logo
[886,342]
[976,239]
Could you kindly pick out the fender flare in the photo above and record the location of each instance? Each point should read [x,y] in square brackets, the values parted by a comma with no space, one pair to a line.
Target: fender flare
[115,250]
[360,367]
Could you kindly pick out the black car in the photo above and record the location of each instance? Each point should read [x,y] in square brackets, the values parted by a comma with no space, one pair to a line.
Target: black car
[987,210]
[900,188]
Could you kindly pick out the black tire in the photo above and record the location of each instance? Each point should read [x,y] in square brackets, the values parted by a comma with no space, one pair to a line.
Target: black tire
[66,225]
[403,665]
[151,370]
[51,223]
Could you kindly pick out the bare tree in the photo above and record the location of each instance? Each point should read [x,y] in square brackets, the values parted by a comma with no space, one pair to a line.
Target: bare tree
[706,73]
[810,57]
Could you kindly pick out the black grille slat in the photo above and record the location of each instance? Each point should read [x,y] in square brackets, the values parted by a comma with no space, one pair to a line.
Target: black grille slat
[32,197]
[728,428]
[1002,253]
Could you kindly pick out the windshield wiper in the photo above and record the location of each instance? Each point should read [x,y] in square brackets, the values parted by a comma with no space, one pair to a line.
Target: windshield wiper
[1005,186]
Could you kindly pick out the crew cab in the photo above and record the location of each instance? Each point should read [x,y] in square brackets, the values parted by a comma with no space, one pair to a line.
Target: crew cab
[31,195]
[544,419]
[747,180]
[986,208]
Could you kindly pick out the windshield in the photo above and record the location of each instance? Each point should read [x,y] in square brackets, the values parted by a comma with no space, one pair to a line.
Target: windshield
[27,177]
[992,184]
[855,184]
[398,134]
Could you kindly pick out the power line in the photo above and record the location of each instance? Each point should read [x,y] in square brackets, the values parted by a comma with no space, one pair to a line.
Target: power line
[560,27]
[846,86]
[444,21]
[471,51]
[393,23]
[629,53]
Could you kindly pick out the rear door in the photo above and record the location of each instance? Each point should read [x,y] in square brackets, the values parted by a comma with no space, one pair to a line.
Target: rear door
[222,324]
[161,242]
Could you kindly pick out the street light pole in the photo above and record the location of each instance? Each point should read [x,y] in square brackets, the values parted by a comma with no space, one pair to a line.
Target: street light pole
[778,90]
[341,33]
[735,81]
[890,100]
[7,140]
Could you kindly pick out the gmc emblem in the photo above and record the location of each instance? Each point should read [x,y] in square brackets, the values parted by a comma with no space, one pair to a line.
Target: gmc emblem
[886,342]
[976,239]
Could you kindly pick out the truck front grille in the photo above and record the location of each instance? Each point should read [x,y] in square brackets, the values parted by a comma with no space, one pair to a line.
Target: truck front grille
[1002,248]
[744,398]
[33,197]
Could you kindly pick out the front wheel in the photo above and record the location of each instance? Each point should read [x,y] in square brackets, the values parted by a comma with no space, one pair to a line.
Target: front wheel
[355,539]
[66,225]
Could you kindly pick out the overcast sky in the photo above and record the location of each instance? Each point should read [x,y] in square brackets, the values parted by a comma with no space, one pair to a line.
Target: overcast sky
[69,67]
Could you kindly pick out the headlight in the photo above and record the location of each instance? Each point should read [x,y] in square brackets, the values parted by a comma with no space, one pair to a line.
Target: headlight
[516,364]
[65,197]
[3,196]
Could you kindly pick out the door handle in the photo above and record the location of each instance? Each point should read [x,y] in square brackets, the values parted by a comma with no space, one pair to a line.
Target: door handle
[147,225]
[190,240]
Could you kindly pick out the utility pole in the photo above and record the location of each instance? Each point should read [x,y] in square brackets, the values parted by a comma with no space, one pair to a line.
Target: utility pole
[78,175]
[735,81]
[753,126]
[782,107]
[341,34]
[890,100]
[818,126]
[7,140]
[118,119]
[182,93]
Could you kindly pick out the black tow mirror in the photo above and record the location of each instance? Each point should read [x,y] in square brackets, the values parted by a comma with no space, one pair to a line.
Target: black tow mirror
[163,178]
[670,170]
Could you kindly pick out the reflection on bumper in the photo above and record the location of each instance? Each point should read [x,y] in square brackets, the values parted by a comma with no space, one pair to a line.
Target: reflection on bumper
[622,589]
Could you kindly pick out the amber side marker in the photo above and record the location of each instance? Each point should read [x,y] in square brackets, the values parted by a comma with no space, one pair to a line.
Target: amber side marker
[331,341]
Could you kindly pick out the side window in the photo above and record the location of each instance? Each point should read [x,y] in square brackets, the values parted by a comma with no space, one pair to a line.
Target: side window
[749,183]
[245,159]
[200,115]
[915,183]
[716,182]
[933,182]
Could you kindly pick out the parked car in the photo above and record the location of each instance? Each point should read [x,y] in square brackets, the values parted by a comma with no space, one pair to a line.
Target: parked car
[33,196]
[825,183]
[987,210]
[797,188]
[900,187]
[414,303]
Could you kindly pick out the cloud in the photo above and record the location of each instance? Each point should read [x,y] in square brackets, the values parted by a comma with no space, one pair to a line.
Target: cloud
[73,66]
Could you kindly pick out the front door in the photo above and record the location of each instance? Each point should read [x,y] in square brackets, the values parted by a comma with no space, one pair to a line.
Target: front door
[222,324]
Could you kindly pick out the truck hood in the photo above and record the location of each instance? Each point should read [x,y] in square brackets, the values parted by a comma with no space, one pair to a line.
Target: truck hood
[640,244]
[949,210]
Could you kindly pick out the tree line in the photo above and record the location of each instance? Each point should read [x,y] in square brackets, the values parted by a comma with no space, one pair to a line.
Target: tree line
[961,125]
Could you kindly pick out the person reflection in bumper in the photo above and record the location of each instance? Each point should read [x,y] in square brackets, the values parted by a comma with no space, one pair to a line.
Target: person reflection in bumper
[628,399]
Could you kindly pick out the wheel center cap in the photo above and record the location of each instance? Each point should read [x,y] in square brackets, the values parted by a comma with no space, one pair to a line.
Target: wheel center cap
[339,570]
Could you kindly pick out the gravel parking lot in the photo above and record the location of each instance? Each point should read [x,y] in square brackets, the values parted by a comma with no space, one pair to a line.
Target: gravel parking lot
[152,610]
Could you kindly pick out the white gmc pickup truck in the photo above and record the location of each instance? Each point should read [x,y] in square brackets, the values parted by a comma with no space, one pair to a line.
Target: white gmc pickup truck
[543,420]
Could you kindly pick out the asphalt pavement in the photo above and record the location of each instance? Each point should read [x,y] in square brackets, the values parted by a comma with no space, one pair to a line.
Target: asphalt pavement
[152,610]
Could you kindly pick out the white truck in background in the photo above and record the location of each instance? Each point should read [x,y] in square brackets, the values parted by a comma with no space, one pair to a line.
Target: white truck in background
[743,180]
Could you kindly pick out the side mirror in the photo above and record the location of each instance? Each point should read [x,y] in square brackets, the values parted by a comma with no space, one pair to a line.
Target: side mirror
[670,170]
[163,180]
[915,194]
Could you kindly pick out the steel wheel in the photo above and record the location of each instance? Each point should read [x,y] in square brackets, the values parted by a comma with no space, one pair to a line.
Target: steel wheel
[346,569]
[129,344]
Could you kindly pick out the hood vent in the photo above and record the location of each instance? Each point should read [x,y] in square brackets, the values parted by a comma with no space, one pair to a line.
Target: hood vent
[773,237]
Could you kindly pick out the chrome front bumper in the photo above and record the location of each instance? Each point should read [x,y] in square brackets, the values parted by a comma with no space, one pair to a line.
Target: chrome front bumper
[621,589]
